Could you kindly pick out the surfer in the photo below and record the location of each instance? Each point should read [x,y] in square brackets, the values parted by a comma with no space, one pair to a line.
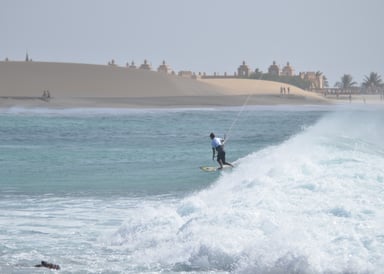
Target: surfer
[218,145]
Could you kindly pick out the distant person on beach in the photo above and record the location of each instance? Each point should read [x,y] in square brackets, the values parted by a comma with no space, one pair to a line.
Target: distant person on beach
[46,95]
[218,145]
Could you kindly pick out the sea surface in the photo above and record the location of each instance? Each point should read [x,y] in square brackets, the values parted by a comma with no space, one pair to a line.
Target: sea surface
[120,191]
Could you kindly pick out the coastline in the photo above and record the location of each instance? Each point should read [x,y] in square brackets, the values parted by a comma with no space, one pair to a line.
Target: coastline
[155,102]
[22,84]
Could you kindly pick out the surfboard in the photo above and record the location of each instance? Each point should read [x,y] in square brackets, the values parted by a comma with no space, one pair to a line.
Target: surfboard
[212,168]
[208,168]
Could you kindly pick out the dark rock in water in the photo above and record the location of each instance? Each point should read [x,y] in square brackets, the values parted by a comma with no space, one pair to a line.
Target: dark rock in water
[48,265]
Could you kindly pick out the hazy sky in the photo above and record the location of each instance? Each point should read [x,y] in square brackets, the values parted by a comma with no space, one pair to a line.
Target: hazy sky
[335,37]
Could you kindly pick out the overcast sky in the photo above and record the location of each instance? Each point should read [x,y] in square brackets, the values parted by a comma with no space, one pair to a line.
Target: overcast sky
[335,37]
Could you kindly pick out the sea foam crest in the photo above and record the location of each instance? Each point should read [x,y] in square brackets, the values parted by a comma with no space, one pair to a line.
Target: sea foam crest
[312,204]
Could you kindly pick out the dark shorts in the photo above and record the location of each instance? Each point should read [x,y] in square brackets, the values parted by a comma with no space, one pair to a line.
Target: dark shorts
[220,154]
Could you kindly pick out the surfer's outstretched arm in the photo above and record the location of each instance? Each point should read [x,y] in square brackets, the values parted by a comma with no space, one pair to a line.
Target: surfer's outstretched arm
[224,139]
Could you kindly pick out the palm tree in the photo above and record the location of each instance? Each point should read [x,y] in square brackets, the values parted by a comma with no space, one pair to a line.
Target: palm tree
[319,80]
[346,82]
[372,82]
[325,83]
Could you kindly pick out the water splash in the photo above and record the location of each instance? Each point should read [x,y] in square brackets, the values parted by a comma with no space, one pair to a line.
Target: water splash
[312,204]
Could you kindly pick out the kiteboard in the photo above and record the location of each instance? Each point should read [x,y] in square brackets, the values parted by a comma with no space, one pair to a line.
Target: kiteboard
[212,168]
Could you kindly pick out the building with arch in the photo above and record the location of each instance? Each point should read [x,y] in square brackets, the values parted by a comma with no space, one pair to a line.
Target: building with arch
[243,70]
[164,68]
[145,66]
[288,70]
[274,69]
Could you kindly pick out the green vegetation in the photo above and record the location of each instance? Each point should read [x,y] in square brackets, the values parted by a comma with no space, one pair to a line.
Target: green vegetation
[346,82]
[291,80]
[372,83]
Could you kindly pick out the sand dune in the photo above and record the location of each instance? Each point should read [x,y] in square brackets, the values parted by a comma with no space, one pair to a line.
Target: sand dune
[83,85]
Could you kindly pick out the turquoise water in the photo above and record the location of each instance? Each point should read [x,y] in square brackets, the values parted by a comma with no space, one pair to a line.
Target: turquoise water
[120,191]
[104,152]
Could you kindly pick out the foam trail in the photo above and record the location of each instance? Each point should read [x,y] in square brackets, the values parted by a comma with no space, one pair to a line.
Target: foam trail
[310,205]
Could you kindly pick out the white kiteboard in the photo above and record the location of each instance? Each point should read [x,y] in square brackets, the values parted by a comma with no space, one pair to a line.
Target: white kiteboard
[212,168]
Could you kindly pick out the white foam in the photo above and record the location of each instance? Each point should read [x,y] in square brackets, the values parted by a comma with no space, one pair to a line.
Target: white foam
[310,205]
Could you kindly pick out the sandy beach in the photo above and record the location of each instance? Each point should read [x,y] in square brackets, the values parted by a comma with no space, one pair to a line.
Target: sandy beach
[83,85]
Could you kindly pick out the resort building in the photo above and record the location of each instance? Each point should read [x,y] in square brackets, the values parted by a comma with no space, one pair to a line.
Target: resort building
[243,70]
[145,66]
[185,73]
[164,68]
[288,70]
[132,65]
[112,63]
[274,69]
[316,79]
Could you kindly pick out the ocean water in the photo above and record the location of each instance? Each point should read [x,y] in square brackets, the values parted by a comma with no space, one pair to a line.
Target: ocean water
[120,191]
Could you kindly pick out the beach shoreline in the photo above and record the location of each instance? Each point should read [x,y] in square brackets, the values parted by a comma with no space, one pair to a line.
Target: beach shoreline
[68,85]
[155,102]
